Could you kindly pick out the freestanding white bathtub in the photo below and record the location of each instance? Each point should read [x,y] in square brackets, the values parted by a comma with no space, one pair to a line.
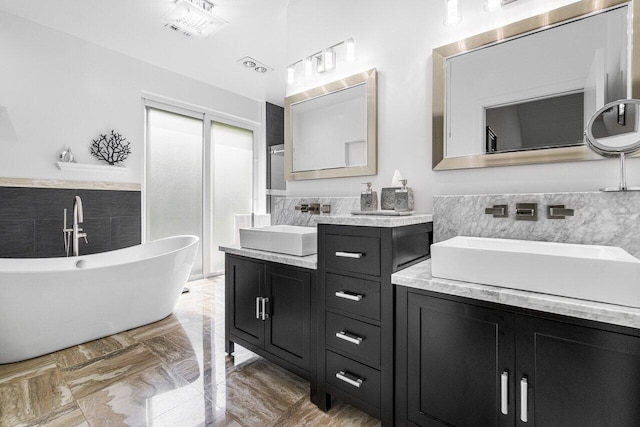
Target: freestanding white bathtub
[47,304]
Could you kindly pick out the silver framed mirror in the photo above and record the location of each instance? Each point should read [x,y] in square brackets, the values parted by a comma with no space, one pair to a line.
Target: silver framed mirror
[332,130]
[526,39]
[614,131]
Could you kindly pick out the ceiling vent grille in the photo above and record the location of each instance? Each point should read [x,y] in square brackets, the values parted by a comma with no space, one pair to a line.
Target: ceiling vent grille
[193,18]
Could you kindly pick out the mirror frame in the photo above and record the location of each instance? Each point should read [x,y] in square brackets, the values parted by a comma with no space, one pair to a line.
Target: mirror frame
[369,78]
[506,33]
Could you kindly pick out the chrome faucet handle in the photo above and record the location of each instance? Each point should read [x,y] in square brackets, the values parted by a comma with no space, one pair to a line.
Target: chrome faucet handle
[558,212]
[303,207]
[314,208]
[498,211]
[325,209]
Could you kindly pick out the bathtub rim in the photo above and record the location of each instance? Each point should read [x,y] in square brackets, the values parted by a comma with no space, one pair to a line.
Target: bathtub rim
[191,239]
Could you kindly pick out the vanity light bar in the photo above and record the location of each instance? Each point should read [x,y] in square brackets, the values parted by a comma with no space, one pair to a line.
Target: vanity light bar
[325,59]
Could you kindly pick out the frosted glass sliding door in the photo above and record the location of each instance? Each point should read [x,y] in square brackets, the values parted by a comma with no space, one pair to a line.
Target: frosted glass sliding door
[174,170]
[231,184]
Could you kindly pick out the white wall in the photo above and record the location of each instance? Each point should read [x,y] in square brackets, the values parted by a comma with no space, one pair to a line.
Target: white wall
[60,90]
[397,38]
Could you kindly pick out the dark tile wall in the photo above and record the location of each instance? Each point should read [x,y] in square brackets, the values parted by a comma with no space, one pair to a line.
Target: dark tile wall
[31,220]
[275,125]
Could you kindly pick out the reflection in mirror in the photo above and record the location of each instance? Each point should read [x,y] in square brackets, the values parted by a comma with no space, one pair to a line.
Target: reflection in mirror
[531,85]
[331,130]
[542,123]
[613,132]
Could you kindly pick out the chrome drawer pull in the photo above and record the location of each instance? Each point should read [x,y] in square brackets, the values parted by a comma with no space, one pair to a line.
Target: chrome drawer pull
[355,381]
[265,315]
[258,307]
[356,255]
[349,337]
[524,400]
[349,295]
[504,393]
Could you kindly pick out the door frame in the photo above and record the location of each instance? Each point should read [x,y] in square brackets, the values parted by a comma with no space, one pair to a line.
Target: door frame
[208,116]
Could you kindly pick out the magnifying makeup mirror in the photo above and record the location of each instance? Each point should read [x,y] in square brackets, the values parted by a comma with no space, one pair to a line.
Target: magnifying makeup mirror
[613,131]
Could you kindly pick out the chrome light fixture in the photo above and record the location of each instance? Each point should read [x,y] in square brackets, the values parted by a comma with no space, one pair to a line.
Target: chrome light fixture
[194,18]
[325,60]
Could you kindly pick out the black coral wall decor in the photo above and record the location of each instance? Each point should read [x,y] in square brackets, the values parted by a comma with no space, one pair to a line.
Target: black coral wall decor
[113,148]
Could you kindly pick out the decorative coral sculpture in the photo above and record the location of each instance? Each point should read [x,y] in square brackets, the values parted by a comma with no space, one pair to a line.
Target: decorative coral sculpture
[113,148]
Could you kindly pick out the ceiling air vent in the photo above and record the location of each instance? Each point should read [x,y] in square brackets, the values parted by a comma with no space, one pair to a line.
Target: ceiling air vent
[194,18]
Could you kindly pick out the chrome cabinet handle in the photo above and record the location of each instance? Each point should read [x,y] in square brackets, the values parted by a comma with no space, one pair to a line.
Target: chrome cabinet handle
[348,295]
[258,308]
[504,393]
[354,339]
[524,399]
[356,255]
[349,379]
[265,315]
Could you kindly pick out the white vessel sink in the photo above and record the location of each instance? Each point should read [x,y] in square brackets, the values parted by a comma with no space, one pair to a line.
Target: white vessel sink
[284,239]
[597,273]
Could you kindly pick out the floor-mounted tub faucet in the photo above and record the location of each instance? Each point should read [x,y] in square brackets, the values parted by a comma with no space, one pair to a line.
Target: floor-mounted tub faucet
[73,235]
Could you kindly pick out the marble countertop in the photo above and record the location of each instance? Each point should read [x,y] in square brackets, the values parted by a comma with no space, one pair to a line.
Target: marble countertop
[419,276]
[310,261]
[373,220]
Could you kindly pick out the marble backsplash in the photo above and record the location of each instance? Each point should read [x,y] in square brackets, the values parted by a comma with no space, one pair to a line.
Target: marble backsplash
[611,219]
[285,209]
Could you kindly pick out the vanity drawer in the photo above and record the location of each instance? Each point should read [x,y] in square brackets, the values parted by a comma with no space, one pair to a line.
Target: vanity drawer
[355,296]
[353,254]
[356,379]
[353,337]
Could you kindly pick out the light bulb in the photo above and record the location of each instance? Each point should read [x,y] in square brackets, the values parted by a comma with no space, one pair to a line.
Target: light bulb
[320,68]
[350,44]
[329,57]
[453,12]
[291,74]
[491,5]
[308,66]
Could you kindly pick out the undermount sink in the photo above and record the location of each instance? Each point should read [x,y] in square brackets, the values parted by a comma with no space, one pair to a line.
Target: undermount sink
[597,273]
[284,239]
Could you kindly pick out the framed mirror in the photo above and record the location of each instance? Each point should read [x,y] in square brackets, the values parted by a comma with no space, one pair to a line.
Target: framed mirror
[331,131]
[523,93]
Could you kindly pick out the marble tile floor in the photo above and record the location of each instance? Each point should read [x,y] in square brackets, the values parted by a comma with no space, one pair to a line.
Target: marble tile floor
[171,373]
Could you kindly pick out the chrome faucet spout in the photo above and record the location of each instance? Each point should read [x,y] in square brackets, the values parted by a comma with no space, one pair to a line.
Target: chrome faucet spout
[78,218]
[78,214]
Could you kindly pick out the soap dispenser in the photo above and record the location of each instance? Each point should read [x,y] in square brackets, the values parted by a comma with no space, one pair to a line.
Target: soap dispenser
[404,198]
[368,199]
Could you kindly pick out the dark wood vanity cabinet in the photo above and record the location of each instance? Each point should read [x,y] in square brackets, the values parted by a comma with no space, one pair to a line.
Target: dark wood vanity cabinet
[356,311]
[456,356]
[269,310]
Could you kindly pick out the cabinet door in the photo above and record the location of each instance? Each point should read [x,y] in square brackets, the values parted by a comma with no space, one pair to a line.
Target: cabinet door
[577,376]
[244,283]
[288,328]
[457,354]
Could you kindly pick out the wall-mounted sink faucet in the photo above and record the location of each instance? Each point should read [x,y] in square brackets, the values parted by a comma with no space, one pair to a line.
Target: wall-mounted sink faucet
[73,235]
[527,211]
[314,208]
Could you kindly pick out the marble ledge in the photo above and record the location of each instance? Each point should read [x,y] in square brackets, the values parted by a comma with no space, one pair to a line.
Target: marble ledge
[419,277]
[309,261]
[373,220]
